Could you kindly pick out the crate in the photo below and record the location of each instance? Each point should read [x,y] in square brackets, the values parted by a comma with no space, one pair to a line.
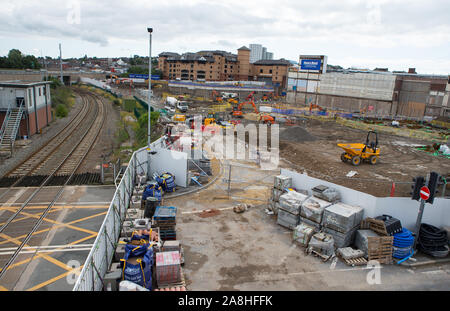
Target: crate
[380,249]
[393,225]
[165,213]
[375,225]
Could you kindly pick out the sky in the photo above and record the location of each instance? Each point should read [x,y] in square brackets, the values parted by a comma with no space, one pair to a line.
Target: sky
[394,34]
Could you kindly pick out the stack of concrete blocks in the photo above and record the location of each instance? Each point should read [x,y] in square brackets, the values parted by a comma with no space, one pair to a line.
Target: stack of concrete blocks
[311,212]
[326,193]
[112,277]
[289,210]
[322,243]
[342,221]
[362,241]
[280,184]
[302,234]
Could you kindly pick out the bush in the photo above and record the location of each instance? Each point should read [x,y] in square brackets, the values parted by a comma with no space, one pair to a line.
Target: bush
[129,105]
[61,111]
[116,102]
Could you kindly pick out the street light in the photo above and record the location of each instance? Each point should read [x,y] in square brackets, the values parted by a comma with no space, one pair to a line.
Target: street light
[150,30]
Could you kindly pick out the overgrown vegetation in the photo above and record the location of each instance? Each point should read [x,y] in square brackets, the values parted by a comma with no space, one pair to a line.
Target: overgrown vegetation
[141,128]
[129,105]
[61,111]
[62,97]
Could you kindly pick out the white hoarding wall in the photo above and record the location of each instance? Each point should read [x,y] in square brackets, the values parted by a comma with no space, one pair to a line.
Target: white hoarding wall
[163,161]
[174,162]
[358,84]
[405,209]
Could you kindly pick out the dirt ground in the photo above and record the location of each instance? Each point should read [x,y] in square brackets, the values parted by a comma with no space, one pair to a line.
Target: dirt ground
[103,148]
[312,147]
[249,251]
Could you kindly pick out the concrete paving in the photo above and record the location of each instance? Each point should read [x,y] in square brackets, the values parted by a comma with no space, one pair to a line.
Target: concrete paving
[61,244]
[250,251]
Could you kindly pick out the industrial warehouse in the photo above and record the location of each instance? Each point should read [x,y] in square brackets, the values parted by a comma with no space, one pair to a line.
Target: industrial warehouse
[230,169]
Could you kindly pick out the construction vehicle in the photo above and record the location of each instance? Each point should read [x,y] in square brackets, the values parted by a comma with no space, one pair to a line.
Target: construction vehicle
[266,119]
[237,111]
[315,106]
[216,97]
[356,153]
[179,118]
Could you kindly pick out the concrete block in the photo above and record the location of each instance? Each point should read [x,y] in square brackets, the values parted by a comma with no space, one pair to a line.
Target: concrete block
[141,223]
[112,279]
[126,232]
[342,217]
[342,239]
[287,219]
[282,182]
[362,241]
[313,208]
[120,252]
[349,253]
[115,266]
[276,193]
[292,201]
[311,223]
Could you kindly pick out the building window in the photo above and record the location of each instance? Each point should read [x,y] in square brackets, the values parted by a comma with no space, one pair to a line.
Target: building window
[225,71]
[270,71]
[260,71]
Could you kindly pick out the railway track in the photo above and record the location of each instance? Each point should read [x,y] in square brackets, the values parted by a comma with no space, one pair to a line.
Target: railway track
[59,158]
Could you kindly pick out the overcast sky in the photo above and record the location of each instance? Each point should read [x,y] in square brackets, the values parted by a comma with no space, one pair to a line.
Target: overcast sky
[397,34]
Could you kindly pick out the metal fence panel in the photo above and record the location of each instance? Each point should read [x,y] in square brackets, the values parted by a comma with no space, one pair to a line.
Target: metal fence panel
[101,254]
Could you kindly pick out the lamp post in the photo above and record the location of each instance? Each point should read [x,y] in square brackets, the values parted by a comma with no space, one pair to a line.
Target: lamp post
[150,30]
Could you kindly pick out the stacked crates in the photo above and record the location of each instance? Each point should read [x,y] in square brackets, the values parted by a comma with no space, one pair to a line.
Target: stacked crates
[165,219]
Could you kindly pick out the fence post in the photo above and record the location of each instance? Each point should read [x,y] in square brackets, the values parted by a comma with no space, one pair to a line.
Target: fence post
[106,249]
[102,174]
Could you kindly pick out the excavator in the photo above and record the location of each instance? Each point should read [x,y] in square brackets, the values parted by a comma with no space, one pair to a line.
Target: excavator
[216,97]
[314,106]
[237,111]
[266,119]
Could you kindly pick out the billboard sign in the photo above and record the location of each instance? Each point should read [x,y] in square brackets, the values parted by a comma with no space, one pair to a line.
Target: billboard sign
[143,76]
[310,64]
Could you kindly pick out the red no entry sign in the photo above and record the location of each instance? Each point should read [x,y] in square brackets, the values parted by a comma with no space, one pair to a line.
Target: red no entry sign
[424,193]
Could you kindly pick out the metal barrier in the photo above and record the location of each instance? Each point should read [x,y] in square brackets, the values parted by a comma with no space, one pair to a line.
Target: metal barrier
[102,252]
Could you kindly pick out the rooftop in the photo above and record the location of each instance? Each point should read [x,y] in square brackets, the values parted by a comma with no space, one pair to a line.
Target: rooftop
[273,62]
[19,83]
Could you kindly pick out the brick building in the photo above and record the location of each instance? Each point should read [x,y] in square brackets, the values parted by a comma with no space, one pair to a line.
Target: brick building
[222,66]
[34,97]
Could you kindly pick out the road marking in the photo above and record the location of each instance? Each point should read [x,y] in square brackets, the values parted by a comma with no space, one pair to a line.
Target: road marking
[52,280]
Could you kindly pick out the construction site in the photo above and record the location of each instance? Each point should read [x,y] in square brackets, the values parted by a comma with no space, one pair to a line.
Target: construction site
[268,176]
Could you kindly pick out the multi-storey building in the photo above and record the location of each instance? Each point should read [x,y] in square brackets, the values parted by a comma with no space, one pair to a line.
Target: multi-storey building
[222,66]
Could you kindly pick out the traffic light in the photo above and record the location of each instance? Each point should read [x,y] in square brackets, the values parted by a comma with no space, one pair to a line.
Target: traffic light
[419,182]
[433,183]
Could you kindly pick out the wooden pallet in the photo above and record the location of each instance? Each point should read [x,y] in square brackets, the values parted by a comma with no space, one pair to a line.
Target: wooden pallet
[375,225]
[309,250]
[181,283]
[381,249]
[361,261]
